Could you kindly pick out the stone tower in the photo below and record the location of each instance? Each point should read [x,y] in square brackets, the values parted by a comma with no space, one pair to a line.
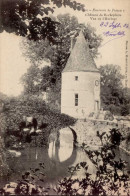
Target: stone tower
[80,91]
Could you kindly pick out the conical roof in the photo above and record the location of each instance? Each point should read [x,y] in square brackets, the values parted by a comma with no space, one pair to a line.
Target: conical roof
[80,58]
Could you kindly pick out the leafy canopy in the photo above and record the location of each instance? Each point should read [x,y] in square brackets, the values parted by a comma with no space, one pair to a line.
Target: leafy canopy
[113,94]
[30,17]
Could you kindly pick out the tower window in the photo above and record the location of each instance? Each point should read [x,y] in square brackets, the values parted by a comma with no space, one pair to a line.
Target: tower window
[76,99]
[76,78]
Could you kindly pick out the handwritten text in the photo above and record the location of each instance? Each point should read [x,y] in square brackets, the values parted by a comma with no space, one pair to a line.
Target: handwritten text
[114,25]
[114,33]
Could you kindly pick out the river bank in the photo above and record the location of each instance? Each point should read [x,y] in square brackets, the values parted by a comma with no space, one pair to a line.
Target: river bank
[51,164]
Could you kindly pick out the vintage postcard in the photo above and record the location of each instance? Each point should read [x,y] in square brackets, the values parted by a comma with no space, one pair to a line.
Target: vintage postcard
[65,97]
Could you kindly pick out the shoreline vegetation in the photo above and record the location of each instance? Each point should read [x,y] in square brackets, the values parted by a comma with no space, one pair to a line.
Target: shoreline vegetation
[11,116]
[110,172]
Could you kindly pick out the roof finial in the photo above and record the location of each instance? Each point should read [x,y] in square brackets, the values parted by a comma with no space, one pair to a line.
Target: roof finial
[81,33]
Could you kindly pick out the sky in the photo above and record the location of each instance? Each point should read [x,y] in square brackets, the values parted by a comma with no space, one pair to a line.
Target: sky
[12,64]
[112,51]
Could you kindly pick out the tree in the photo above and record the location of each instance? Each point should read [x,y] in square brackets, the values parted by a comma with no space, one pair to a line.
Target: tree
[30,18]
[113,95]
[57,53]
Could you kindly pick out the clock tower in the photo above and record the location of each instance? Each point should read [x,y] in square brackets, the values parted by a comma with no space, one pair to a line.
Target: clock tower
[80,92]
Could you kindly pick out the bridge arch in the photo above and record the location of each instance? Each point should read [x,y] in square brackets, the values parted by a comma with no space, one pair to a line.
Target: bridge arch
[62,140]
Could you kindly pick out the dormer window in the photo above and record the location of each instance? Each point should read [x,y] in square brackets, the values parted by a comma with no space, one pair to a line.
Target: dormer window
[76,78]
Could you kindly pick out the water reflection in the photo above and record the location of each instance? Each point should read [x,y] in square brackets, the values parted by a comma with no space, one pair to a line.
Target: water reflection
[57,158]
[62,147]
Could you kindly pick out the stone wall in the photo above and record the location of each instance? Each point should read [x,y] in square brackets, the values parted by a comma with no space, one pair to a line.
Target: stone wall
[87,131]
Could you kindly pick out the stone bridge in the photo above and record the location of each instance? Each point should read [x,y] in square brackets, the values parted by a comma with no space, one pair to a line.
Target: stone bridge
[85,131]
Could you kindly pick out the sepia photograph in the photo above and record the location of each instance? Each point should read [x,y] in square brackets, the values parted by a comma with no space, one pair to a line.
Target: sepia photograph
[65,97]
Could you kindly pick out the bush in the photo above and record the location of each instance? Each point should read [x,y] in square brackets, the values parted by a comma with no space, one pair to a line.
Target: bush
[125,110]
[15,108]
[116,110]
[4,169]
[111,176]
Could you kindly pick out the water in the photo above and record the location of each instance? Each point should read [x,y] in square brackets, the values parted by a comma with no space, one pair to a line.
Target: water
[56,158]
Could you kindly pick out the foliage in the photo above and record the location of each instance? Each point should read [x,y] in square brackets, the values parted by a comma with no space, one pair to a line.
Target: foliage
[113,95]
[110,179]
[30,18]
[116,137]
[3,161]
[15,108]
[28,184]
[125,109]
[111,84]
